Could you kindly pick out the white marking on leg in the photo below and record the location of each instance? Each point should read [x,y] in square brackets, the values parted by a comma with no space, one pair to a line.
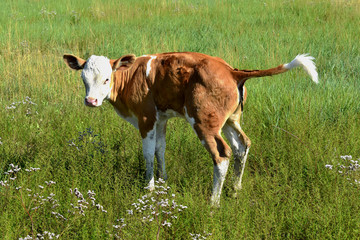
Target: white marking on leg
[148,66]
[161,145]
[220,171]
[151,184]
[235,142]
[148,144]
[240,163]
[240,152]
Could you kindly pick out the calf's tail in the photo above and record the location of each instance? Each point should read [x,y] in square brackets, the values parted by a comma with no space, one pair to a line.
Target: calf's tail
[304,60]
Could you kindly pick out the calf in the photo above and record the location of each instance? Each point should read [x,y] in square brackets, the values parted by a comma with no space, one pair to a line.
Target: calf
[205,90]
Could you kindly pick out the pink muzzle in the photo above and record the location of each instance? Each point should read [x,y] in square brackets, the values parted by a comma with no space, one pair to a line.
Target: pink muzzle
[91,102]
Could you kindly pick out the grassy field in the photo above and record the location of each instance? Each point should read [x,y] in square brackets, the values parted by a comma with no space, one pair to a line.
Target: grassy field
[296,127]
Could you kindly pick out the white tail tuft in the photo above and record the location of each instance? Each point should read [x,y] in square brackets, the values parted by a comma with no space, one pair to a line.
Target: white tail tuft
[306,62]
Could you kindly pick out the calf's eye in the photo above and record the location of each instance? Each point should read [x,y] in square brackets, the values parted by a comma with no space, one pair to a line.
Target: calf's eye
[106,81]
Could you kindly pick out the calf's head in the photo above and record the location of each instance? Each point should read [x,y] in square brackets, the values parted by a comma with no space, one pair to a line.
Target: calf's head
[97,75]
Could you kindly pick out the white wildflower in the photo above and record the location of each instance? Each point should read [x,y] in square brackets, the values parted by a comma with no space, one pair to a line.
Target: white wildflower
[166,223]
[346,157]
[329,166]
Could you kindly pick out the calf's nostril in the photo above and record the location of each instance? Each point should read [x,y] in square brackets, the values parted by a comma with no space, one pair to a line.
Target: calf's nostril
[90,101]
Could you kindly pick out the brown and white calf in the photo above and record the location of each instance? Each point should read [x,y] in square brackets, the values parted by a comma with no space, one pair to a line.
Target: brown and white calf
[148,90]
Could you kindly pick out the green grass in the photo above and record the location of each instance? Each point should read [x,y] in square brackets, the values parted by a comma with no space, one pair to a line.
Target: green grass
[296,127]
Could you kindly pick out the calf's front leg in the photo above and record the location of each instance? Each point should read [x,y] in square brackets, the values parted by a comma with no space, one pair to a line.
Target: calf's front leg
[160,148]
[148,146]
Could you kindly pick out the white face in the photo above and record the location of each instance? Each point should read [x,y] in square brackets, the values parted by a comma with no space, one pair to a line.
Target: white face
[97,77]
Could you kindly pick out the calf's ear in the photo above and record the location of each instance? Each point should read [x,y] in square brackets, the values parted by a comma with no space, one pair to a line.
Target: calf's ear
[74,62]
[123,62]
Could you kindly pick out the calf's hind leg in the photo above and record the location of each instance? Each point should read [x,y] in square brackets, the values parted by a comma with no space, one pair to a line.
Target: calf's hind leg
[220,153]
[240,145]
